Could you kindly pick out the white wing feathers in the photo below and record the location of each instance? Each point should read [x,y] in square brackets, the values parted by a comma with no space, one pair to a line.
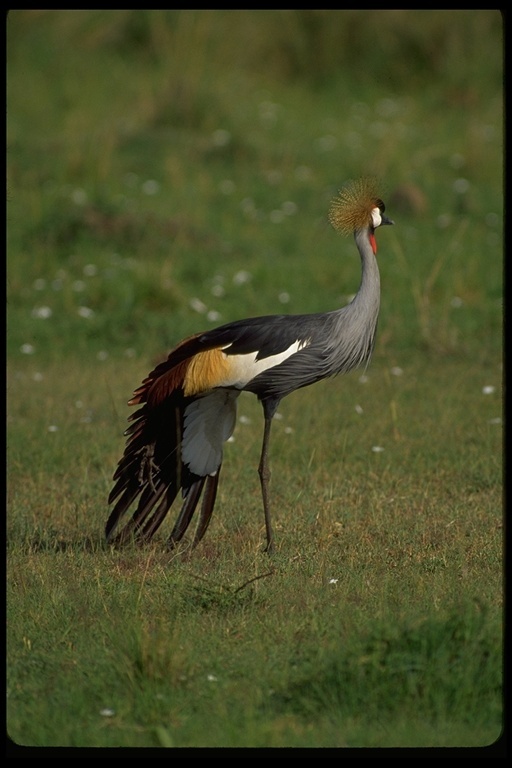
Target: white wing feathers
[209,422]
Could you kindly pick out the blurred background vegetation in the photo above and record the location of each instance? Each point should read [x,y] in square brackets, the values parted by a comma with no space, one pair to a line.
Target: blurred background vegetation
[164,163]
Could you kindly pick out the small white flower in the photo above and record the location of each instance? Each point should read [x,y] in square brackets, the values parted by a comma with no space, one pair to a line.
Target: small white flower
[213,316]
[326,143]
[396,371]
[42,313]
[333,581]
[268,107]
[197,305]
[274,177]
[27,349]
[79,196]
[241,277]
[358,409]
[288,430]
[461,186]
[303,173]
[276,216]
[53,428]
[488,390]
[387,107]
[86,312]
[227,187]
[289,208]
[244,420]
[221,137]
[151,187]
[37,376]
[444,220]
[90,270]
[377,448]
[102,354]
[284,297]
[107,712]
[457,160]
[247,205]
[212,678]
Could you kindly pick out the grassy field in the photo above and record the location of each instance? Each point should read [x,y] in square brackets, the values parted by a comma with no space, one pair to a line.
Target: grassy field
[169,171]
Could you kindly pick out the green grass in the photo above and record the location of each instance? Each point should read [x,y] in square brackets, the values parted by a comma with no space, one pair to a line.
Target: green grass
[168,171]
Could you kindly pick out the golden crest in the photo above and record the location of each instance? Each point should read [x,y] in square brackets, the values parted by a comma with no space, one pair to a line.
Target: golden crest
[351,210]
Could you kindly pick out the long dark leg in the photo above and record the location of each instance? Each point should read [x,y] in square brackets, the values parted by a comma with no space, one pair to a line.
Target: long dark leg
[264,473]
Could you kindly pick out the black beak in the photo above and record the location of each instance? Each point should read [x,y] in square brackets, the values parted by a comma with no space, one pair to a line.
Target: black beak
[385,220]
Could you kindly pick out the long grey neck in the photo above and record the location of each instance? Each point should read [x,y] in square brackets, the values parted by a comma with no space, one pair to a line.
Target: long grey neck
[355,325]
[367,299]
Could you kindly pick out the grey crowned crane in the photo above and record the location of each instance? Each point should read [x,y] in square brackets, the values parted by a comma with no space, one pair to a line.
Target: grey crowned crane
[188,403]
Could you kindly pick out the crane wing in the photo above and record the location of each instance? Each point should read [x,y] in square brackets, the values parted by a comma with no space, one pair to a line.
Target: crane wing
[188,410]
[267,336]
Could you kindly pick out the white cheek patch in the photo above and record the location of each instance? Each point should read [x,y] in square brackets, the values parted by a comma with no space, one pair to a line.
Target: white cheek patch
[376,218]
[209,422]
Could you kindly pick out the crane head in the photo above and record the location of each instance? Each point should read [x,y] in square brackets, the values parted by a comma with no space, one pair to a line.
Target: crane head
[358,206]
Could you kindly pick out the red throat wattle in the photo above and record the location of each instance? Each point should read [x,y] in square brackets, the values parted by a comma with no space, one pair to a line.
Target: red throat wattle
[373,243]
